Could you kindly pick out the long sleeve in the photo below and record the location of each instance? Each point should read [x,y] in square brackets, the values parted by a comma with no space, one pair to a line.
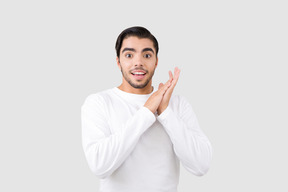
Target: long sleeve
[106,151]
[191,146]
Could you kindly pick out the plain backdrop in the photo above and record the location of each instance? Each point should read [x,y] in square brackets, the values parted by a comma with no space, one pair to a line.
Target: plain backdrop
[233,57]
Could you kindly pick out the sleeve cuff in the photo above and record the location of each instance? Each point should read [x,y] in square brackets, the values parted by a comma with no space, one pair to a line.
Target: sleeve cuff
[162,118]
[150,115]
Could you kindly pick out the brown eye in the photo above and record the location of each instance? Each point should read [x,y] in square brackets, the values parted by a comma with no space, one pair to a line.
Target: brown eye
[128,55]
[147,55]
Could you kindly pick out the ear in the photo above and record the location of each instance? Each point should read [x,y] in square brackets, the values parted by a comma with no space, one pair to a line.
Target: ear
[118,62]
[156,64]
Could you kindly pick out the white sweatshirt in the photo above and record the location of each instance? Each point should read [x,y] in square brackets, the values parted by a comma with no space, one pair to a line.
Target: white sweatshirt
[131,149]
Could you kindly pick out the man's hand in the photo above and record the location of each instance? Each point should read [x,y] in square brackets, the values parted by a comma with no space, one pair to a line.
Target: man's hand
[155,99]
[166,98]
[159,100]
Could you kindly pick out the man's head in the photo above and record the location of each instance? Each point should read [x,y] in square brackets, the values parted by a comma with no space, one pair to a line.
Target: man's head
[137,50]
[139,32]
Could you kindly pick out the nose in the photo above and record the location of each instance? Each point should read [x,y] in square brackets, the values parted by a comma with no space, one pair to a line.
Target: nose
[138,60]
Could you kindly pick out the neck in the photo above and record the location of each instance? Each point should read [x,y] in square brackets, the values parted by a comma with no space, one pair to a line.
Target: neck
[129,89]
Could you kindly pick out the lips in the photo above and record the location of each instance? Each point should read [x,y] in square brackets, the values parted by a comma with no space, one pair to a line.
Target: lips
[138,74]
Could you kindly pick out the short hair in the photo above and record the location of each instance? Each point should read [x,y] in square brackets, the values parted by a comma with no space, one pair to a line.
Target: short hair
[139,32]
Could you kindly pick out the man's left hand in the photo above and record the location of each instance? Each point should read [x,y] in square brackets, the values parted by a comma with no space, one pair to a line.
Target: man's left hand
[166,98]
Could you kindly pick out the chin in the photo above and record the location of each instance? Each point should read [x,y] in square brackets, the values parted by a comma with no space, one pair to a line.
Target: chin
[139,86]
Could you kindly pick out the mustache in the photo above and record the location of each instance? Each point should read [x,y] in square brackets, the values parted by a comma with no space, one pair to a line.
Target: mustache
[139,68]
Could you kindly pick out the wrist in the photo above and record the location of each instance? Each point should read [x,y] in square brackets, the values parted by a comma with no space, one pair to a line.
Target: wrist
[150,108]
[161,110]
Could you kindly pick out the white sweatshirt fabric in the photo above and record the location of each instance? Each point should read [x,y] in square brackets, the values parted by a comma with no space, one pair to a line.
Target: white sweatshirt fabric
[131,149]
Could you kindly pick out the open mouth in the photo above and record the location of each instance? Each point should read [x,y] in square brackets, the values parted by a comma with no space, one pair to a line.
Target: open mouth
[138,74]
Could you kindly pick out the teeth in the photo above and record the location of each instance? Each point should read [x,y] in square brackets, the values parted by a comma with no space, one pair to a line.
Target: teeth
[138,73]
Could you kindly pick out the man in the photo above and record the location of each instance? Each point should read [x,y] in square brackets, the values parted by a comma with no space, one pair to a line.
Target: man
[134,137]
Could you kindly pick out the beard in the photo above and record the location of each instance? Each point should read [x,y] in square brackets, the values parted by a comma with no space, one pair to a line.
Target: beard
[137,85]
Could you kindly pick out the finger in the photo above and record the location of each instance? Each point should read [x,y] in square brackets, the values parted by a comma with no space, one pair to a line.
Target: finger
[160,85]
[170,76]
[176,75]
[175,80]
[163,87]
[166,85]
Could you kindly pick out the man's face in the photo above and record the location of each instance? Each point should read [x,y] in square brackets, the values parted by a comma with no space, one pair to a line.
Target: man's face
[137,61]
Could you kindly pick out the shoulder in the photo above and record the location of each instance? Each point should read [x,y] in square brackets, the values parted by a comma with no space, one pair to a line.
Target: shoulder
[179,100]
[99,98]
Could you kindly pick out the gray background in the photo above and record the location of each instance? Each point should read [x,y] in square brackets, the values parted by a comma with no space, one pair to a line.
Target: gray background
[233,57]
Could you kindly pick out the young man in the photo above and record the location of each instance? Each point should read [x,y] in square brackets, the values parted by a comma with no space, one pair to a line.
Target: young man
[134,137]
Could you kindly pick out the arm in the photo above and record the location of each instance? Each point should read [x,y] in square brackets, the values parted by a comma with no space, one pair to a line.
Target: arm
[191,145]
[104,151]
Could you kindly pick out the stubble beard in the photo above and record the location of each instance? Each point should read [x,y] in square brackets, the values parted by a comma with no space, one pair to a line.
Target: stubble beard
[134,85]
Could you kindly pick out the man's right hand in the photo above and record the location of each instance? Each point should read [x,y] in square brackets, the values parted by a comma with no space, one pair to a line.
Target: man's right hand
[155,99]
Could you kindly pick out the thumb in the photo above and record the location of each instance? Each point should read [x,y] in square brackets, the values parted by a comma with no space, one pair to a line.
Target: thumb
[160,85]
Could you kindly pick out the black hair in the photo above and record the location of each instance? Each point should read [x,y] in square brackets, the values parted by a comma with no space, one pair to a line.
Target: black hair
[137,31]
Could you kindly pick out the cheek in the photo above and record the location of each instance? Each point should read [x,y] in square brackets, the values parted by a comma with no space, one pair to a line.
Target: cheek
[124,66]
[153,64]
[126,63]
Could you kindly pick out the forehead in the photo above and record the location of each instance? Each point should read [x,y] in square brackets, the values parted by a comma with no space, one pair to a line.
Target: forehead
[137,43]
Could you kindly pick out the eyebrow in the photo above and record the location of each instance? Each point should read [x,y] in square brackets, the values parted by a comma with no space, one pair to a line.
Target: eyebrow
[128,49]
[133,50]
[148,49]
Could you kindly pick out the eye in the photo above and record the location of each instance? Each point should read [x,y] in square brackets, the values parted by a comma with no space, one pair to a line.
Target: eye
[147,56]
[128,55]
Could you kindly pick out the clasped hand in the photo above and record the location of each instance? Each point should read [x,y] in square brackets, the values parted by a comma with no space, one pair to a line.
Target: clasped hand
[159,100]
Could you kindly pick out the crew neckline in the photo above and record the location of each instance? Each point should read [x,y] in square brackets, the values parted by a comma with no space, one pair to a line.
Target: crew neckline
[132,98]
[116,89]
